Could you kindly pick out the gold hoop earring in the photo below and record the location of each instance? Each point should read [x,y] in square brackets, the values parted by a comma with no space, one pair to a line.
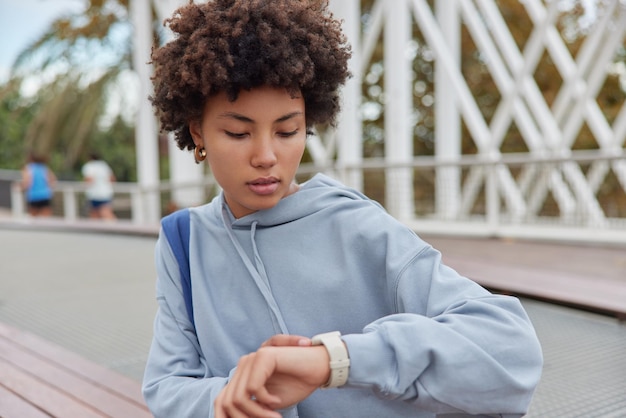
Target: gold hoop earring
[199,154]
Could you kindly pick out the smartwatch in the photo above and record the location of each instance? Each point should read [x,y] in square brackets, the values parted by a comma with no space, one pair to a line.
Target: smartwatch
[339,360]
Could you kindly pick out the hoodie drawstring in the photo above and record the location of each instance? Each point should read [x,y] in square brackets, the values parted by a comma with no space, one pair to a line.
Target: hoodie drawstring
[257,271]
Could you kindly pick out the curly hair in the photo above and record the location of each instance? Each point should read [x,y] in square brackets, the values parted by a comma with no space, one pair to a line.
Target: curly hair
[229,45]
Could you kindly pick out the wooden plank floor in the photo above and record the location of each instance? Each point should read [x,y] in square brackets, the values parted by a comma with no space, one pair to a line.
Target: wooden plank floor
[41,379]
[588,277]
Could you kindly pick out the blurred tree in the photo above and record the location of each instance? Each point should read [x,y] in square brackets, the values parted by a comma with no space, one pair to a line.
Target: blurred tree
[66,78]
[116,145]
[75,64]
[15,116]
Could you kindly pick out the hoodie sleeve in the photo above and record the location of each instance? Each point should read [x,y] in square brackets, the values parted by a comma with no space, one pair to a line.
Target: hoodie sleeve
[452,347]
[175,382]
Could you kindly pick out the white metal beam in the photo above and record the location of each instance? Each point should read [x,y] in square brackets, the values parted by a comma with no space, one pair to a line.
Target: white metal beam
[398,107]
[146,140]
[349,129]
[185,176]
[447,119]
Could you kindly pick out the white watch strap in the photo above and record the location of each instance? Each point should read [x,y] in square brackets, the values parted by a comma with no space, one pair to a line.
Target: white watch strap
[339,360]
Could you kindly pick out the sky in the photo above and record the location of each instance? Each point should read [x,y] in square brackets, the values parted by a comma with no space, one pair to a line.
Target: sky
[23,21]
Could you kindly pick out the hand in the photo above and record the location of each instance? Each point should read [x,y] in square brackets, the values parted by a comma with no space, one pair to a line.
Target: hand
[280,374]
[287,340]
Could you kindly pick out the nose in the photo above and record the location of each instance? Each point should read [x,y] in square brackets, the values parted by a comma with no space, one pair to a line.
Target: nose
[263,152]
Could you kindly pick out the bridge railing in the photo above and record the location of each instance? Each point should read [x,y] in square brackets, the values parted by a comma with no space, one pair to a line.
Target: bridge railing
[540,201]
[547,205]
[70,201]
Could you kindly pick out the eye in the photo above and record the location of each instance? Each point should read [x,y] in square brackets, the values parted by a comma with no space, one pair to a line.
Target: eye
[287,134]
[235,135]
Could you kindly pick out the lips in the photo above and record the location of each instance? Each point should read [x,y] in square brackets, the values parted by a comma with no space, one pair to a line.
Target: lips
[264,186]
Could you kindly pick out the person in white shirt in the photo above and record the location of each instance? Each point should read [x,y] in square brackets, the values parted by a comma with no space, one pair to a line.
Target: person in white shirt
[99,178]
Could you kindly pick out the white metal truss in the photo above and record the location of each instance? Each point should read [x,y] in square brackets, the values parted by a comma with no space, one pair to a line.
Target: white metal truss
[548,129]
[556,127]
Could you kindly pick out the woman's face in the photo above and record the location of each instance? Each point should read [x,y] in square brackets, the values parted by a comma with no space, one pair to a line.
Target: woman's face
[254,145]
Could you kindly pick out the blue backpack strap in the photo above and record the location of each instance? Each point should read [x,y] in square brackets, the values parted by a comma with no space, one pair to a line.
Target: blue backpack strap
[176,230]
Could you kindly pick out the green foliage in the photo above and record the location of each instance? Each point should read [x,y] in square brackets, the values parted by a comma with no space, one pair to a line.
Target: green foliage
[14,120]
[74,66]
[116,146]
[97,36]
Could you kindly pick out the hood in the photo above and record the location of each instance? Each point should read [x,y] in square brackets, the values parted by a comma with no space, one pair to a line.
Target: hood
[313,196]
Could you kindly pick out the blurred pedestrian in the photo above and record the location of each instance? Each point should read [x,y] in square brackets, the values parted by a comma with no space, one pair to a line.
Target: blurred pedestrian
[38,181]
[100,178]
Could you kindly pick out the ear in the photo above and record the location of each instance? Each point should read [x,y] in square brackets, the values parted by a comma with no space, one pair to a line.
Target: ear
[195,129]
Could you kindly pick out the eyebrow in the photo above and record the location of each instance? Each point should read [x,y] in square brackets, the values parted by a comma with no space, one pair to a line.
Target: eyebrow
[246,119]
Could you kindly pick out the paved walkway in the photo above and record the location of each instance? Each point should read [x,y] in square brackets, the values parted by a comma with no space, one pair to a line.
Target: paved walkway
[90,288]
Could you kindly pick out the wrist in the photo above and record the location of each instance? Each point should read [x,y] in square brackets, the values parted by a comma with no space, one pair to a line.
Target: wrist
[339,361]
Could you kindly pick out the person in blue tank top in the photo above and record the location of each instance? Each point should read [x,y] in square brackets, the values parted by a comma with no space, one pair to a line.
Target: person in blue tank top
[37,182]
[308,300]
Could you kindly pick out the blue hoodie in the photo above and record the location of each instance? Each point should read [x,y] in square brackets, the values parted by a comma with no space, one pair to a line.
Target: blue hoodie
[421,338]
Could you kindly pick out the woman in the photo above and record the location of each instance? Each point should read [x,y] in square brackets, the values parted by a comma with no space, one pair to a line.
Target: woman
[299,287]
